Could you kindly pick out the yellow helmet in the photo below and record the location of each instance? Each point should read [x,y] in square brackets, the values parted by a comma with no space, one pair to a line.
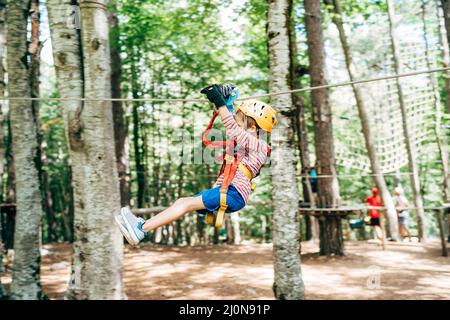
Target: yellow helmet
[264,114]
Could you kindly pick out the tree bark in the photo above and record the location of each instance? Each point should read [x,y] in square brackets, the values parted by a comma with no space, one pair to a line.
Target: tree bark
[120,121]
[410,147]
[331,240]
[98,246]
[10,214]
[2,147]
[443,155]
[2,90]
[446,9]
[365,124]
[27,236]
[2,269]
[288,283]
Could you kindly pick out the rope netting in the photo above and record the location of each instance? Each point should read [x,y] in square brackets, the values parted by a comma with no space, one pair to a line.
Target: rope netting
[382,98]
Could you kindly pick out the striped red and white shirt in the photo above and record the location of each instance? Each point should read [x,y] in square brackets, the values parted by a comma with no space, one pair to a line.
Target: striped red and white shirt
[254,157]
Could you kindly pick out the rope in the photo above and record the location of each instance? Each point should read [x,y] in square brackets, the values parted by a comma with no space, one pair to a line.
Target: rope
[357,208]
[270,94]
[356,175]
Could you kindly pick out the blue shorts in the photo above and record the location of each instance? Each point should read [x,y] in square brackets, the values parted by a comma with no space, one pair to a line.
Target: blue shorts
[211,200]
[404,219]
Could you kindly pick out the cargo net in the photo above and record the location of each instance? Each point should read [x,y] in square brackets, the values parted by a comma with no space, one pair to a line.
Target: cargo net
[381,99]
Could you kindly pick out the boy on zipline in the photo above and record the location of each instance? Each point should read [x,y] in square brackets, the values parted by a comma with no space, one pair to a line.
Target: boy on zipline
[244,158]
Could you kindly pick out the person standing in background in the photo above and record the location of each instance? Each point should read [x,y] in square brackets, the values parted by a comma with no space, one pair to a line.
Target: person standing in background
[402,205]
[375,201]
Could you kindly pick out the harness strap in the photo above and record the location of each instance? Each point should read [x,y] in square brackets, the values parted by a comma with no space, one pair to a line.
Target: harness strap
[231,165]
[248,174]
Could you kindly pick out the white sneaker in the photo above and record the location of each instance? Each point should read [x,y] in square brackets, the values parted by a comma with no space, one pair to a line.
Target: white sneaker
[133,225]
[123,228]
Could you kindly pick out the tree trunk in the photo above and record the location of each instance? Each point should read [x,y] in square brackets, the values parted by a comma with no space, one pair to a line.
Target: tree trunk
[410,147]
[443,20]
[301,129]
[120,121]
[27,236]
[2,91]
[446,11]
[2,251]
[47,198]
[331,241]
[2,148]
[443,155]
[41,159]
[365,124]
[137,142]
[10,214]
[300,121]
[180,169]
[98,246]
[288,283]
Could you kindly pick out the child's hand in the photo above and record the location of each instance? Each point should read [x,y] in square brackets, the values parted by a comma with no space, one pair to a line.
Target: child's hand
[215,95]
[227,88]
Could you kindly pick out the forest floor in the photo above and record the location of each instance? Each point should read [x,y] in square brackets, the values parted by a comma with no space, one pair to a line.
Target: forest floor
[405,271]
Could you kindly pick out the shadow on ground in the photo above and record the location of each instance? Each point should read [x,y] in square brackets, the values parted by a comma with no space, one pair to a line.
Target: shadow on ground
[404,271]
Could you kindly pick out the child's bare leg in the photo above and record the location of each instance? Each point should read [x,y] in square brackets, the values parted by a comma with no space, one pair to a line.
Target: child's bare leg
[408,233]
[378,232]
[174,212]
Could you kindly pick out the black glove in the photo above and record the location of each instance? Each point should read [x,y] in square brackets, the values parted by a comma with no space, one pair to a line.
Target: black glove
[215,95]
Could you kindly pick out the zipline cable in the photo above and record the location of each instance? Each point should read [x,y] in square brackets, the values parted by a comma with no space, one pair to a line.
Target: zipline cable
[340,84]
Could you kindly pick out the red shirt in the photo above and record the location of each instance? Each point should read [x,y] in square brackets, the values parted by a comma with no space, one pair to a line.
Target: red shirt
[374,201]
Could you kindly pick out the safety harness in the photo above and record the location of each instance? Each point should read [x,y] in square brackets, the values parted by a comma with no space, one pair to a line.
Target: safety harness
[231,164]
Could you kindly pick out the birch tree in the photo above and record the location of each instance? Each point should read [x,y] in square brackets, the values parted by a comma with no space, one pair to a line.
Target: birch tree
[288,283]
[331,239]
[98,246]
[364,117]
[2,148]
[410,147]
[26,265]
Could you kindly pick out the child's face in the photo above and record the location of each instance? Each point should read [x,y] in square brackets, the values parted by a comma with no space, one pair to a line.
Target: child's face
[239,117]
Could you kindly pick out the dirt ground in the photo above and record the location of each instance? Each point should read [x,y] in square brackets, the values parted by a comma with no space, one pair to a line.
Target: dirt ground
[404,271]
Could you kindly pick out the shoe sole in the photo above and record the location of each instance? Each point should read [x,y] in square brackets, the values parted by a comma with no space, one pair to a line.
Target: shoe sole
[129,227]
[124,232]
